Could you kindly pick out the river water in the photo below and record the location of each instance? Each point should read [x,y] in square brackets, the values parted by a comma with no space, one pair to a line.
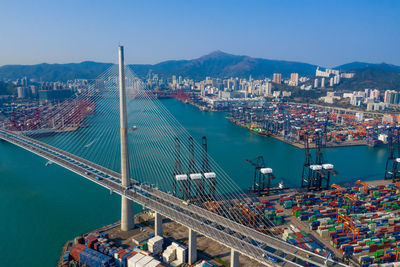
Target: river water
[42,207]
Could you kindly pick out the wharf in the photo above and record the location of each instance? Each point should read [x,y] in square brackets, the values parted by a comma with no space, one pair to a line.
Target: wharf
[301,144]
[207,249]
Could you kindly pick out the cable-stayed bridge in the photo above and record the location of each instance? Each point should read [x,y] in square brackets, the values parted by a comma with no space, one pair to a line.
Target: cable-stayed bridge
[163,168]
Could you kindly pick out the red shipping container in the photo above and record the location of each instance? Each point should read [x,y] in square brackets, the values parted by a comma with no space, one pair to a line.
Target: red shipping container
[76,252]
[373,248]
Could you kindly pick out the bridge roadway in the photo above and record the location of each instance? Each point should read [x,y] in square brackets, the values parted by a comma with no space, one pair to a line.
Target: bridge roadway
[263,248]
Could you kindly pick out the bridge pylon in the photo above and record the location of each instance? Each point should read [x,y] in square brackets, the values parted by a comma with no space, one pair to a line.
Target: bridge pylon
[127,219]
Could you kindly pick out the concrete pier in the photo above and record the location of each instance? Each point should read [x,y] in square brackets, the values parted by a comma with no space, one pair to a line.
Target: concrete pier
[234,258]
[192,246]
[158,224]
[127,220]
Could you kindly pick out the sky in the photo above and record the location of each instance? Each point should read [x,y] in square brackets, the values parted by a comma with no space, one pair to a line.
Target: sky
[326,33]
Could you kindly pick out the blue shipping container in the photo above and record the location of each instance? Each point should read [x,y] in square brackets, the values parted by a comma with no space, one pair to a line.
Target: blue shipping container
[92,258]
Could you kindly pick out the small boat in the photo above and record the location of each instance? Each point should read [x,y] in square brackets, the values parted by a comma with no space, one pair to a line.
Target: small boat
[281,185]
[132,128]
[89,144]
[48,163]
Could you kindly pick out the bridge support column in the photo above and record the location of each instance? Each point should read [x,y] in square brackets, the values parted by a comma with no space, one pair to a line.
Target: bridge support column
[234,258]
[127,219]
[157,224]
[192,246]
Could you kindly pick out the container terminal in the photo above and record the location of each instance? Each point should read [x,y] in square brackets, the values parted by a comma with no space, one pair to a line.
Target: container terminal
[358,224]
[292,122]
[48,118]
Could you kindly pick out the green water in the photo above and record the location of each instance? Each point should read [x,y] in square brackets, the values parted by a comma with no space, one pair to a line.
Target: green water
[42,207]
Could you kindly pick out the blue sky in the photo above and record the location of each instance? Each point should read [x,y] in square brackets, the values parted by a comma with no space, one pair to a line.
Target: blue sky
[326,33]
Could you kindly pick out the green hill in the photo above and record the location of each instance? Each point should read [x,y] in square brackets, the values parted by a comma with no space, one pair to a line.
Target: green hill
[54,72]
[363,65]
[220,64]
[371,77]
[216,64]
[7,89]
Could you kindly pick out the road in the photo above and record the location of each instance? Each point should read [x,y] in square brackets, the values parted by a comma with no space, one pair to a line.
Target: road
[263,248]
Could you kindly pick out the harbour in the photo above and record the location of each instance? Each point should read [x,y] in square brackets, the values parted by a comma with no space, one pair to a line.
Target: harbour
[77,215]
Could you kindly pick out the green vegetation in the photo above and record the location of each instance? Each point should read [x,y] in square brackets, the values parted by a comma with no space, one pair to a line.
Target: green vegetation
[307,94]
[54,72]
[371,77]
[216,64]
[7,89]
[223,65]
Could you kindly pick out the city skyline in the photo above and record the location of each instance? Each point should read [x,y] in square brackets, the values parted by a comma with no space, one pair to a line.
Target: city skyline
[326,34]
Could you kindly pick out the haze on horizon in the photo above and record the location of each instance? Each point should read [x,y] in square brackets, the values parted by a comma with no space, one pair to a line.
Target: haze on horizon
[326,33]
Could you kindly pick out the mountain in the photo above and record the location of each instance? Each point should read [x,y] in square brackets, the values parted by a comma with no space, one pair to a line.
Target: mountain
[54,72]
[371,77]
[215,64]
[220,64]
[7,89]
[362,65]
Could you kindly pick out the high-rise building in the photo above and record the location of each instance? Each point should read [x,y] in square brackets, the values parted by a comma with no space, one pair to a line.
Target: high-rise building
[316,83]
[336,79]
[33,90]
[236,84]
[323,82]
[326,73]
[392,97]
[22,92]
[375,94]
[294,79]
[268,89]
[277,78]
[331,82]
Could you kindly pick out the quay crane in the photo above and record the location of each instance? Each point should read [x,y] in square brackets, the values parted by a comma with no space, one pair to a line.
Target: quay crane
[315,173]
[260,184]
[392,162]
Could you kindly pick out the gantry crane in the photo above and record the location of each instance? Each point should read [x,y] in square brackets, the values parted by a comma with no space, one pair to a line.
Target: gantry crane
[348,225]
[178,170]
[365,186]
[210,176]
[307,177]
[314,174]
[251,218]
[352,200]
[260,185]
[338,188]
[391,170]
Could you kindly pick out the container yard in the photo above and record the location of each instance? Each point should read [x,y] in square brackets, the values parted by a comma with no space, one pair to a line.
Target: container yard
[360,224]
[291,123]
[108,246]
[49,118]
[357,224]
